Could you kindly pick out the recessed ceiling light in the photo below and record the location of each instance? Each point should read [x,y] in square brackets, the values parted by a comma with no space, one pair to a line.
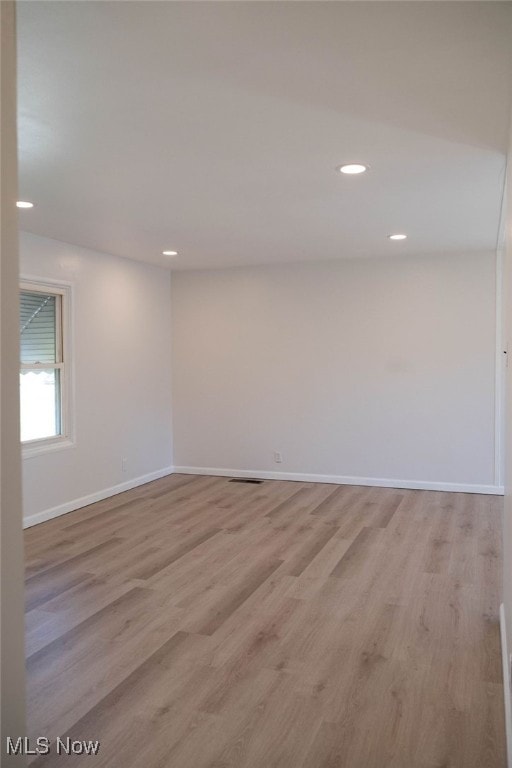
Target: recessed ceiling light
[170,253]
[24,204]
[397,237]
[352,168]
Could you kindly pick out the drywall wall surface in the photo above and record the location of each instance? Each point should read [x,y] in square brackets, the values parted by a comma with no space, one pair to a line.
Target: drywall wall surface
[12,667]
[121,376]
[507,522]
[379,369]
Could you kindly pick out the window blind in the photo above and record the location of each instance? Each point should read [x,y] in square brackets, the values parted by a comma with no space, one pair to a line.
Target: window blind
[37,327]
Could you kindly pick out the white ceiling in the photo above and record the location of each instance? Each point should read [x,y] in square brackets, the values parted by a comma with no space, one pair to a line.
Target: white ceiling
[213,128]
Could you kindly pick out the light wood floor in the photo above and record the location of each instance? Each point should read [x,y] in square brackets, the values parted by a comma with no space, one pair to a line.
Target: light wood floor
[194,622]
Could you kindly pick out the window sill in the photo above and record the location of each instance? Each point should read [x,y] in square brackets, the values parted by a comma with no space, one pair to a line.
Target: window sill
[28,450]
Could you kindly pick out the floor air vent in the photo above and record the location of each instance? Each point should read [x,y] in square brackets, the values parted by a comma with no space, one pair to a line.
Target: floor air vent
[251,480]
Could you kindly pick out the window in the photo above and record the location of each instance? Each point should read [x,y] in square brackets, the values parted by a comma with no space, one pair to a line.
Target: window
[43,366]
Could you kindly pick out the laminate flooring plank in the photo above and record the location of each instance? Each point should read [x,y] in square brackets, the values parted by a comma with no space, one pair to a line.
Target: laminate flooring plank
[385,510]
[159,683]
[214,615]
[355,556]
[55,581]
[311,549]
[290,503]
[96,655]
[68,609]
[161,560]
[197,623]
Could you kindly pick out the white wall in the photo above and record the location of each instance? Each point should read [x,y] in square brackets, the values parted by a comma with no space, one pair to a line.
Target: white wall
[506,618]
[12,647]
[122,375]
[376,369]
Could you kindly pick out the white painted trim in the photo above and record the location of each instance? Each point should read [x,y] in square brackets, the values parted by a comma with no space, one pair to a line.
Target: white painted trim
[46,445]
[68,438]
[91,498]
[498,374]
[378,482]
[506,684]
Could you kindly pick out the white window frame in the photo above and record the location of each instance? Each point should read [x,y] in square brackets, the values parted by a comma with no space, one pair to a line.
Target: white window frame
[64,327]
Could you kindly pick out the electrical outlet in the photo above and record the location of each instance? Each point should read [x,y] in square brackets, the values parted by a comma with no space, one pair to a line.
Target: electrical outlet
[124,463]
[278,457]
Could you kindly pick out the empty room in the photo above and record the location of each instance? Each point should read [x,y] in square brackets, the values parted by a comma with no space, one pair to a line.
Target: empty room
[256,414]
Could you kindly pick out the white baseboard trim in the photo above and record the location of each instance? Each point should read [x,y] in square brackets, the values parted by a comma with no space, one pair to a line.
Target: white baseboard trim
[506,684]
[83,501]
[378,482]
